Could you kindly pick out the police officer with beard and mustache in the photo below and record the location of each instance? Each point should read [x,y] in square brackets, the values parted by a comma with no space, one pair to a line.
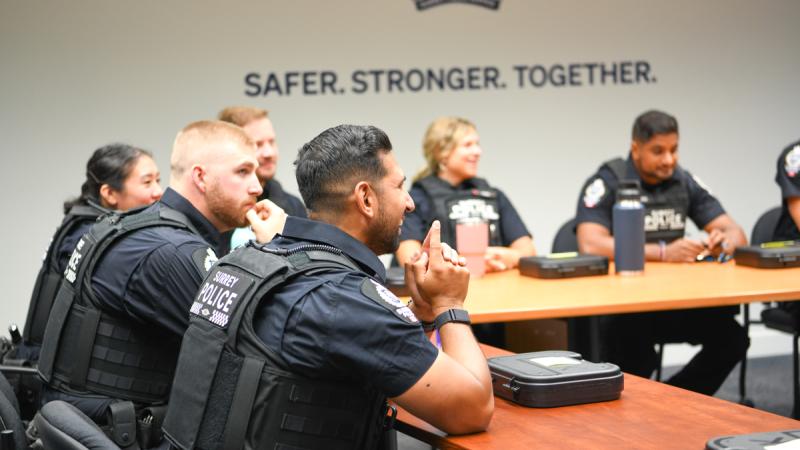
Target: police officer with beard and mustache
[120,313]
[670,195]
[299,344]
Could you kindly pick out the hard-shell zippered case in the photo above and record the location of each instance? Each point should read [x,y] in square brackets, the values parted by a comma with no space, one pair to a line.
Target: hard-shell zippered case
[769,255]
[754,441]
[563,265]
[554,378]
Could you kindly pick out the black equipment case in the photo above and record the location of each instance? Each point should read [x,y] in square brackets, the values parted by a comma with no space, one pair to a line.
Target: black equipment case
[754,441]
[769,255]
[563,265]
[554,378]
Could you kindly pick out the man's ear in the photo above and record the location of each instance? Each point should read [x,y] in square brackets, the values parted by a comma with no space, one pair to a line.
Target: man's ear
[366,199]
[108,195]
[635,150]
[199,178]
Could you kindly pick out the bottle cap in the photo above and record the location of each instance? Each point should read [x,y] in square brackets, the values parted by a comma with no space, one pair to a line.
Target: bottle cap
[629,190]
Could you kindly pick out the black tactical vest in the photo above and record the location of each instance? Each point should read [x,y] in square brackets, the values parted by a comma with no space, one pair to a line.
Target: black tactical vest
[88,350]
[450,207]
[665,211]
[232,392]
[49,278]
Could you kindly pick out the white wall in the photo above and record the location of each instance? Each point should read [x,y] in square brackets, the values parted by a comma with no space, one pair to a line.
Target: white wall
[77,75]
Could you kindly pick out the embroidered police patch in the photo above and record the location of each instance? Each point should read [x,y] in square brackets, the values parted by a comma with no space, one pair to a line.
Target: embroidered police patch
[594,193]
[792,162]
[204,259]
[219,296]
[384,297]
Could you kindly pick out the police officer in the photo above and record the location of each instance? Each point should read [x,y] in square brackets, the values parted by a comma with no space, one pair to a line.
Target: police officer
[119,316]
[305,340]
[118,177]
[788,178]
[448,189]
[671,195]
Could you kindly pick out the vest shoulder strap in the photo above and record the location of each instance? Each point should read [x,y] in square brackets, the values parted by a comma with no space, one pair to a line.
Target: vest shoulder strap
[617,167]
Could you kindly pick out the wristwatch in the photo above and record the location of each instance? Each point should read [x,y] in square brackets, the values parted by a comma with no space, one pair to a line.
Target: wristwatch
[452,315]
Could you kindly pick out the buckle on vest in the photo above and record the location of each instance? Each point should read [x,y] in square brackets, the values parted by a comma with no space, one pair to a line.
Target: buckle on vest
[389,417]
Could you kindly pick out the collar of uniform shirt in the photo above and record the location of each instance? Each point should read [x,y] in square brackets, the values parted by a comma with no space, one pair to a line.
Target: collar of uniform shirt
[323,233]
[207,231]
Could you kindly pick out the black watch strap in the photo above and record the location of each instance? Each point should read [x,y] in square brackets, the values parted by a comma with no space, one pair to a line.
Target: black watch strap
[452,315]
[428,326]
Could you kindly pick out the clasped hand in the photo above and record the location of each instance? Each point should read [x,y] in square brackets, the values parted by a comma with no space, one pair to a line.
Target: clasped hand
[436,276]
[266,220]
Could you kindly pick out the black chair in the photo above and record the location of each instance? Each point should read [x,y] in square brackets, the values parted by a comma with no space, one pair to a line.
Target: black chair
[12,431]
[566,240]
[61,425]
[786,316]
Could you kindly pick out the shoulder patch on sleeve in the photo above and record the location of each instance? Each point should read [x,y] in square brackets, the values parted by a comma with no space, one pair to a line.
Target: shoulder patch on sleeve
[384,297]
[791,164]
[594,192]
[204,259]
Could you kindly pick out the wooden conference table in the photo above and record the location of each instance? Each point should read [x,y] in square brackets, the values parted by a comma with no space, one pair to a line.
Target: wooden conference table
[508,296]
[649,415]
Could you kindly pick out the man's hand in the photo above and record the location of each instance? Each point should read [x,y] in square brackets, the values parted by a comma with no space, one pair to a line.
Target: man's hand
[437,277]
[266,219]
[499,259]
[683,250]
[717,242]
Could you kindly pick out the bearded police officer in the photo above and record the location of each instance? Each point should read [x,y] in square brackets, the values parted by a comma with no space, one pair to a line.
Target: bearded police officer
[670,195]
[118,319]
[788,178]
[298,343]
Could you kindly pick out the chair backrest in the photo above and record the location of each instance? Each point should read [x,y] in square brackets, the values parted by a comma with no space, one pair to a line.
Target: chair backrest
[764,228]
[61,425]
[10,420]
[7,390]
[566,240]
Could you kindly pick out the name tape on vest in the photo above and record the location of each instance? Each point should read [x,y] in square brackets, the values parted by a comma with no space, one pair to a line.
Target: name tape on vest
[219,296]
[664,219]
[473,208]
[72,266]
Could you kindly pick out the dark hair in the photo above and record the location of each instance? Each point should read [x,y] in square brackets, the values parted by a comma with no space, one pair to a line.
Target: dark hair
[111,165]
[333,162]
[651,123]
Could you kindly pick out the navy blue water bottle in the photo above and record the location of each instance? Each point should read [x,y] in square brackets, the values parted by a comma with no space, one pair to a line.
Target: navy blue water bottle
[628,229]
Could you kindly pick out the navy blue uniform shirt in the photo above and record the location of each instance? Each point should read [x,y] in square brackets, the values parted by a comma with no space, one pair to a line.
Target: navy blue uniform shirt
[417,223]
[788,178]
[152,275]
[340,325]
[599,194]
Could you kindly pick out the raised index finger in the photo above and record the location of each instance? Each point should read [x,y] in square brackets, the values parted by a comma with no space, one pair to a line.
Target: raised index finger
[435,243]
